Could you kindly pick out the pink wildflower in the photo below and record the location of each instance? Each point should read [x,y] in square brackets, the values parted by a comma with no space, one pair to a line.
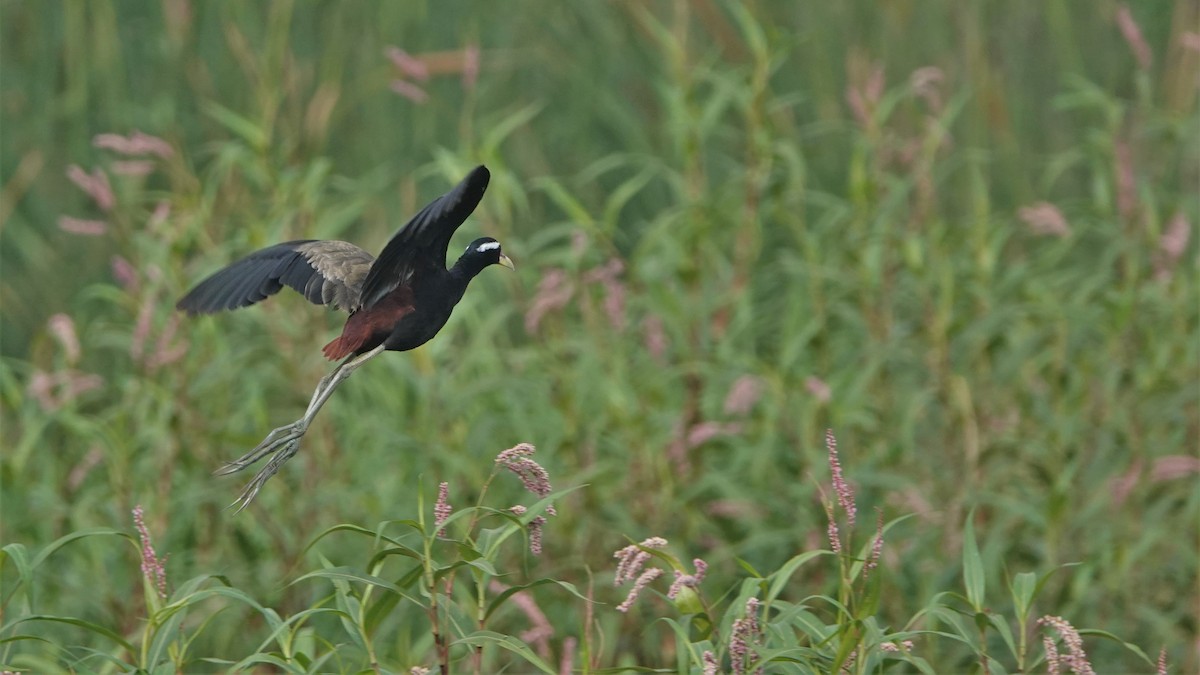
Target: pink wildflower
[536,527]
[844,494]
[54,390]
[554,291]
[876,546]
[742,396]
[80,226]
[95,184]
[654,337]
[835,537]
[410,91]
[632,558]
[125,274]
[407,64]
[743,636]
[137,143]
[688,580]
[642,581]
[153,567]
[533,476]
[1171,246]
[442,508]
[1133,36]
[62,327]
[1075,658]
[1044,218]
[608,275]
[926,82]
[818,388]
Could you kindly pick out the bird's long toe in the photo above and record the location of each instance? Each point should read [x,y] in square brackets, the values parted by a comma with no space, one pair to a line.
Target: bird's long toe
[285,449]
[275,440]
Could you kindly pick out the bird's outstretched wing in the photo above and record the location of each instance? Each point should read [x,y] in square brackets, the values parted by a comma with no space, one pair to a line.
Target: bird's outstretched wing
[325,272]
[422,243]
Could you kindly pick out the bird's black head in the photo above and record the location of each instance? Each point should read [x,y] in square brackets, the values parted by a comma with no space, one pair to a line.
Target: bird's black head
[481,253]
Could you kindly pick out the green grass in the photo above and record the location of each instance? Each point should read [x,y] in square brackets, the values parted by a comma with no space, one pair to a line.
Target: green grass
[1035,394]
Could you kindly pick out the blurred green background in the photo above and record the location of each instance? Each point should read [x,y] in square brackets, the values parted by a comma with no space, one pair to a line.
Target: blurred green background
[961,234]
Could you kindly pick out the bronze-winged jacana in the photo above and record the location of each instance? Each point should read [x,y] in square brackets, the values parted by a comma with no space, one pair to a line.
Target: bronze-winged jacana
[397,302]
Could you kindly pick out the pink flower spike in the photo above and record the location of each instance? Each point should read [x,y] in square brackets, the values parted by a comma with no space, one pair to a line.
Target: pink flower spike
[876,547]
[554,291]
[124,273]
[1075,658]
[1133,36]
[533,476]
[688,580]
[742,396]
[631,559]
[654,337]
[137,143]
[95,184]
[62,327]
[744,634]
[844,494]
[86,228]
[442,508]
[407,64]
[153,567]
[1044,218]
[818,388]
[536,528]
[642,581]
[410,91]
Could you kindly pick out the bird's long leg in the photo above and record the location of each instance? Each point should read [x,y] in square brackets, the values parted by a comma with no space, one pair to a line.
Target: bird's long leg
[284,441]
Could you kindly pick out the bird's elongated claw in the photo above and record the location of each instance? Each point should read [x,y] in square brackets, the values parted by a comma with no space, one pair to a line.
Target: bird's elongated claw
[270,445]
[288,449]
[282,443]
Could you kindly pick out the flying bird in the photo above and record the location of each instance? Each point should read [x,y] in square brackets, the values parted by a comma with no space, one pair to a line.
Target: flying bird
[397,301]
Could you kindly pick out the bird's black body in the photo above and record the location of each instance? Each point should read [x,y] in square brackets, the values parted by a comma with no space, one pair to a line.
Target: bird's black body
[398,301]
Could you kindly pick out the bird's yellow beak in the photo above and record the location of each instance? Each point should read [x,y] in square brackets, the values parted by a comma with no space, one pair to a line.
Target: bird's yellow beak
[507,262]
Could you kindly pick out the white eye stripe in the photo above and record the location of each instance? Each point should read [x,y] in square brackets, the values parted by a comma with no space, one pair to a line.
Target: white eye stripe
[491,245]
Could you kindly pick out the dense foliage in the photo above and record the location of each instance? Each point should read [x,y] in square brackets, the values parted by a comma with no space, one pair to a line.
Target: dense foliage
[957,234]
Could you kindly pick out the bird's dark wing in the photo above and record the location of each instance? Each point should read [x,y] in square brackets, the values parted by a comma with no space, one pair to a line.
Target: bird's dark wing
[422,243]
[325,272]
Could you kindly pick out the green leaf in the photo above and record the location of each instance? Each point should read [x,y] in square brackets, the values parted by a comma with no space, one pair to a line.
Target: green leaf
[484,637]
[356,529]
[513,590]
[1128,645]
[1001,626]
[20,557]
[973,576]
[75,536]
[250,132]
[348,574]
[781,577]
[1024,590]
[87,625]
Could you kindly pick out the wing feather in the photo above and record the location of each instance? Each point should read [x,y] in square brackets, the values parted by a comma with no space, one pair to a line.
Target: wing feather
[325,272]
[422,243]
